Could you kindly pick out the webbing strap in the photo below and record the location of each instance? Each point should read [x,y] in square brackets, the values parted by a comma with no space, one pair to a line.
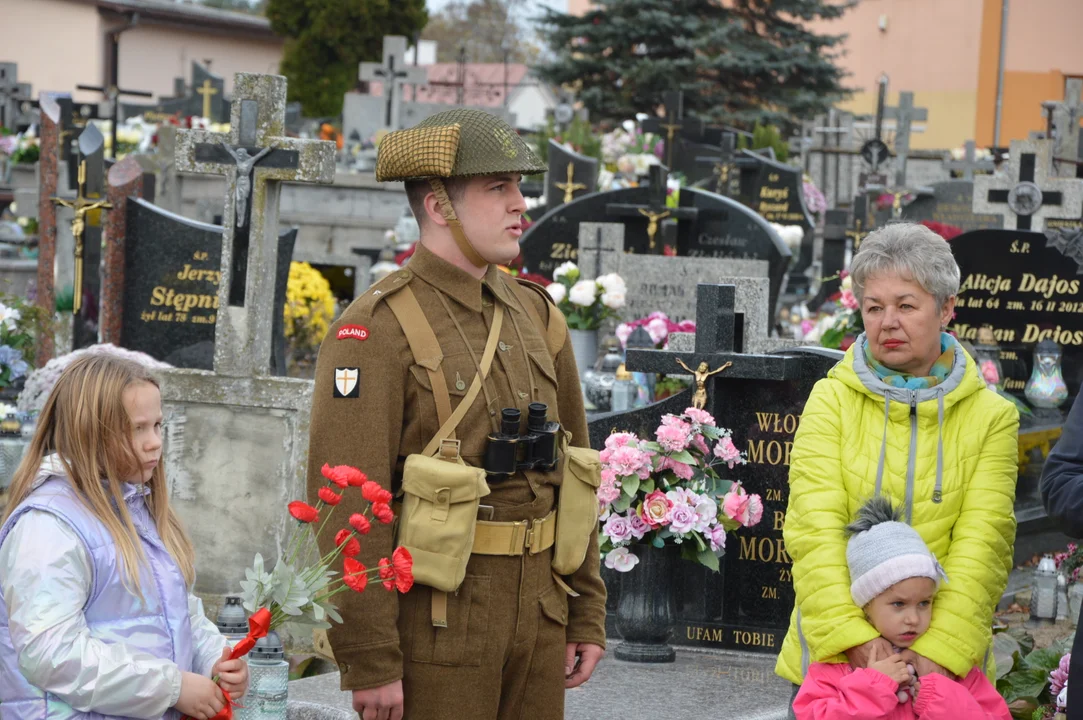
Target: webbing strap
[555,332]
[454,225]
[424,346]
[447,429]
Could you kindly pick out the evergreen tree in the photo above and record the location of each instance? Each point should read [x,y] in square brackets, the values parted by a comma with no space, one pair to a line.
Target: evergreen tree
[738,61]
[327,39]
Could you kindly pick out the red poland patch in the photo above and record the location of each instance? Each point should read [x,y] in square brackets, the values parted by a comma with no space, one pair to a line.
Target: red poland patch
[353,332]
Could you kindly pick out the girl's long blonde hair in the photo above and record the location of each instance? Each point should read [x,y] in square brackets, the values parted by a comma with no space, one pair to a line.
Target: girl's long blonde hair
[85,424]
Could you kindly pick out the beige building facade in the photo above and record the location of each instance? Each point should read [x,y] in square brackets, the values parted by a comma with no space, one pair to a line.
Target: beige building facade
[59,44]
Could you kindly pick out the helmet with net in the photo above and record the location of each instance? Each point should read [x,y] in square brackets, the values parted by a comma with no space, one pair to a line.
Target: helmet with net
[456,143]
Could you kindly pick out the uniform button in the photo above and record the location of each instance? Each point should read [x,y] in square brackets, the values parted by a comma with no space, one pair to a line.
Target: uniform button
[492,413]
[522,395]
[504,347]
[344,668]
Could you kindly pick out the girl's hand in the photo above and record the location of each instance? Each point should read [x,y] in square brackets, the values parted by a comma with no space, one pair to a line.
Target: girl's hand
[893,666]
[200,698]
[232,674]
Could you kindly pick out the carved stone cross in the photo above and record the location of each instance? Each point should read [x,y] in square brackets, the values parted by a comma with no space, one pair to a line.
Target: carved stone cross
[253,186]
[1062,125]
[968,164]
[1030,194]
[904,115]
[393,72]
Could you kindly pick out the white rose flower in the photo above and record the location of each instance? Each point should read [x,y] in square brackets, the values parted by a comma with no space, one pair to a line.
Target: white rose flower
[569,269]
[613,299]
[557,291]
[621,560]
[644,161]
[612,282]
[583,293]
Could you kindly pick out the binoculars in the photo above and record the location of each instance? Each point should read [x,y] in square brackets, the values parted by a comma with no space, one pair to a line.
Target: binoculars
[536,449]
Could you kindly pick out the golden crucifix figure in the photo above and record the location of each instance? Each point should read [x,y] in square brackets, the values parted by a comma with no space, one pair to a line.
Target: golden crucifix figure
[896,206]
[81,206]
[207,91]
[652,222]
[701,373]
[856,234]
[570,187]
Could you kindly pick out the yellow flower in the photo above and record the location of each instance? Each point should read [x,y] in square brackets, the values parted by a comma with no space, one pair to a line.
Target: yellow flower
[310,306]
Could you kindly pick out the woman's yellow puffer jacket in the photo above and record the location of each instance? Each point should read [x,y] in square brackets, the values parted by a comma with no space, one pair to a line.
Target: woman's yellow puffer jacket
[948,456]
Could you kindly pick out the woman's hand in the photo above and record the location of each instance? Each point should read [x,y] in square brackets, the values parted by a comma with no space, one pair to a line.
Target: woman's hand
[859,656]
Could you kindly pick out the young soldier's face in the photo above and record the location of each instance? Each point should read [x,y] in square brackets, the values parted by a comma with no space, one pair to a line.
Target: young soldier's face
[491,211]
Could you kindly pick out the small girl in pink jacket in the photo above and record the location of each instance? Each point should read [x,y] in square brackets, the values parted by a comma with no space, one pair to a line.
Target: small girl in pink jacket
[894,577]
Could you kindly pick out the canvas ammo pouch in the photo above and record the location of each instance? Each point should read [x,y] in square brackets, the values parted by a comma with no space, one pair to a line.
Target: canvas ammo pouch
[441,493]
[439,516]
[577,507]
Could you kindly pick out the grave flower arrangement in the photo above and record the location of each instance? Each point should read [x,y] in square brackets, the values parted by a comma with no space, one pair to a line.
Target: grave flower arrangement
[658,326]
[21,323]
[309,310]
[669,491]
[586,303]
[840,329]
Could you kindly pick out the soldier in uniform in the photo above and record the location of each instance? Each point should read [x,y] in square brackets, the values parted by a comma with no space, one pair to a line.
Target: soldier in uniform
[514,634]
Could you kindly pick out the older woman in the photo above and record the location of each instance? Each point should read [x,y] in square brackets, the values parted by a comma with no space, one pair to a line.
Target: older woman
[907,415]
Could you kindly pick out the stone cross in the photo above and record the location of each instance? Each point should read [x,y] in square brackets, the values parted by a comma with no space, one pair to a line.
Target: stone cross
[595,241]
[393,72]
[255,157]
[716,339]
[1029,194]
[674,122]
[655,210]
[1062,124]
[904,115]
[968,164]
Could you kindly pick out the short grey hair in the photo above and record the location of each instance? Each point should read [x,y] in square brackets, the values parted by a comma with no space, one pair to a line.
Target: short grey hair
[912,251]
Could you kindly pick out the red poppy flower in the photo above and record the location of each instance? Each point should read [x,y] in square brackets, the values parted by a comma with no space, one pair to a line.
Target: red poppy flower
[303,511]
[353,547]
[333,474]
[382,512]
[354,575]
[387,573]
[403,563]
[354,477]
[329,496]
[360,523]
[374,493]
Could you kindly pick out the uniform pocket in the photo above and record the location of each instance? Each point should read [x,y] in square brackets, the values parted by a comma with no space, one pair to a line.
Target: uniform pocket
[554,605]
[545,381]
[462,642]
[577,508]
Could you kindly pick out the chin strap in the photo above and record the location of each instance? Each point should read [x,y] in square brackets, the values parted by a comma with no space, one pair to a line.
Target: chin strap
[454,225]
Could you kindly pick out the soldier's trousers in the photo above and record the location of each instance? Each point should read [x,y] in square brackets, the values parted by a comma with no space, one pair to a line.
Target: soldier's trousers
[501,656]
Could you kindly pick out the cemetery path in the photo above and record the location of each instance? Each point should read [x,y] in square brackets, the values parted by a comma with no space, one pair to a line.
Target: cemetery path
[708,685]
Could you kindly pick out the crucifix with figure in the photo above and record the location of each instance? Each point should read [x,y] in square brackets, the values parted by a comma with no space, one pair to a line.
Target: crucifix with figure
[86,231]
[570,186]
[393,73]
[673,123]
[1029,195]
[717,353]
[13,95]
[255,158]
[655,210]
[208,91]
[969,164]
[727,177]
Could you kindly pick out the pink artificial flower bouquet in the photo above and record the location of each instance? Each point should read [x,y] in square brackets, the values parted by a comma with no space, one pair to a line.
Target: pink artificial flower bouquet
[668,491]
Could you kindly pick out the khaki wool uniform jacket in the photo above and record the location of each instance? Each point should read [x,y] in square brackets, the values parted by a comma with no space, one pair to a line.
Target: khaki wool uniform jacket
[390,413]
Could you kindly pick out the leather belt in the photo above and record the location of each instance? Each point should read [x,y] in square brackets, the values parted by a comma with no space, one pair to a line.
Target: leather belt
[515,538]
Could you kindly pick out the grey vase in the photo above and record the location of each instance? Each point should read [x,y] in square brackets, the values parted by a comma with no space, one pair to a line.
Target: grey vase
[647,608]
[585,349]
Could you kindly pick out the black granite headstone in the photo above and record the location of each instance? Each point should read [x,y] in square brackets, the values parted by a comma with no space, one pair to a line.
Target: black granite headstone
[570,175]
[1027,287]
[836,243]
[171,270]
[760,398]
[951,202]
